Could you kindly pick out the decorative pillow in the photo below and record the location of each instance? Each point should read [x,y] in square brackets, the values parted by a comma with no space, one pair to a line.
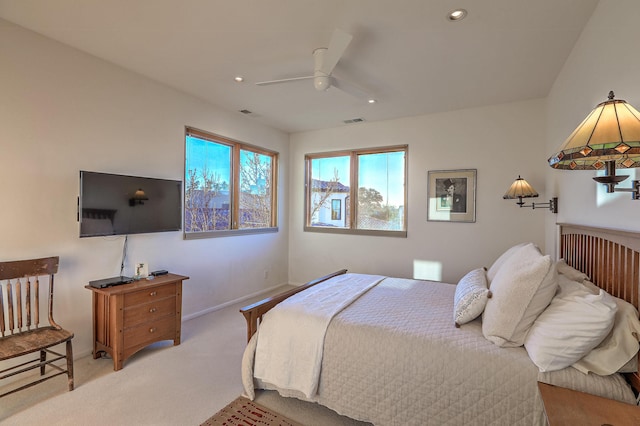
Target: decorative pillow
[571,326]
[522,289]
[570,272]
[493,270]
[618,351]
[471,296]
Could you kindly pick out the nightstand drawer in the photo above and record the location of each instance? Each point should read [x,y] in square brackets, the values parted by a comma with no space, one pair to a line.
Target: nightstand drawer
[162,329]
[149,295]
[140,314]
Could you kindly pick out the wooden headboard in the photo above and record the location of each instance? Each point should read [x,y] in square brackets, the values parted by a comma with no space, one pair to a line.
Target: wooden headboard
[611,259]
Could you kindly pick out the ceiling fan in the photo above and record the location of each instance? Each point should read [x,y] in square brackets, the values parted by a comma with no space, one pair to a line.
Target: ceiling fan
[325,60]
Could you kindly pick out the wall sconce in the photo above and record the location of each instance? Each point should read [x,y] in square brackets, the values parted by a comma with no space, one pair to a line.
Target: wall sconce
[138,198]
[608,138]
[521,189]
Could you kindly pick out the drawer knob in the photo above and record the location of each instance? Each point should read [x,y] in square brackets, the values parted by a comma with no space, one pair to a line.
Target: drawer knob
[152,310]
[153,293]
[152,330]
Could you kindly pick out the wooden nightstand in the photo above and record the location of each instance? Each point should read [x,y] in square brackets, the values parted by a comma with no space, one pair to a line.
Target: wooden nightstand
[129,317]
[564,406]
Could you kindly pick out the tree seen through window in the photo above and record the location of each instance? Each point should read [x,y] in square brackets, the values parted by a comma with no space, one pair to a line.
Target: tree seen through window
[228,185]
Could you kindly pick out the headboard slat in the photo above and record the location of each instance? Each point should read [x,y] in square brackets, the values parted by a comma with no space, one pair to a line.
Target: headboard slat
[636,278]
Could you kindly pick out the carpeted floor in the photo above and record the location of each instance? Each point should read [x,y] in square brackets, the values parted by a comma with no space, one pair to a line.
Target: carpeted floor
[162,385]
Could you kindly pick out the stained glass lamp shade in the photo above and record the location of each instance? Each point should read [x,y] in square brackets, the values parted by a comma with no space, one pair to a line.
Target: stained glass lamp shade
[611,132]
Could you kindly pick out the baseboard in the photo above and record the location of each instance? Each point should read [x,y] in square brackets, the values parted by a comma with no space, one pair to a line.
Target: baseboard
[231,302]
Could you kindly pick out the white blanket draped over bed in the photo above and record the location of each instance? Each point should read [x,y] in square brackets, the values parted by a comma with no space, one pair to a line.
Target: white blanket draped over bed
[394,357]
[289,348]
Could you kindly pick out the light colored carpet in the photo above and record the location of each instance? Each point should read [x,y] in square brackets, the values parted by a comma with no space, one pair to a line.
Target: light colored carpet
[160,385]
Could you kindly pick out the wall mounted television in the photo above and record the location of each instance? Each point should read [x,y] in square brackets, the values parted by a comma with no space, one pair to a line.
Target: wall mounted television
[111,204]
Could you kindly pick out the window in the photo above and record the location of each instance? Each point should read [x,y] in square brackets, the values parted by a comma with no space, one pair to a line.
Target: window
[336,209]
[230,187]
[369,182]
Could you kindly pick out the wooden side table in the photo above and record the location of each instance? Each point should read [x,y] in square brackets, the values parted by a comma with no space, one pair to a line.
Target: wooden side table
[564,406]
[129,317]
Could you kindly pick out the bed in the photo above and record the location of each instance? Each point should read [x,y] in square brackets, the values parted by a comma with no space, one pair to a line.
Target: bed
[391,353]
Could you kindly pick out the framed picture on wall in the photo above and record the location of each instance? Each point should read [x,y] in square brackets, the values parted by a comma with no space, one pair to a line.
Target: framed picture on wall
[451,195]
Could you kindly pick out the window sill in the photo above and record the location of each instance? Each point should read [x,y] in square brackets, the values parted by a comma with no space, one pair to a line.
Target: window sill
[228,233]
[367,232]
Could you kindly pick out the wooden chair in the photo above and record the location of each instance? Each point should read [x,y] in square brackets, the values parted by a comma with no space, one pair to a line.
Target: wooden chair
[21,333]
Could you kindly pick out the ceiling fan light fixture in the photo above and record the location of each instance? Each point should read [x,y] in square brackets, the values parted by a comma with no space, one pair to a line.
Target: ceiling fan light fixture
[456,15]
[321,83]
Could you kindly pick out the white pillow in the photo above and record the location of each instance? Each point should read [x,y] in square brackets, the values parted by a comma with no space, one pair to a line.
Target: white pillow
[570,272]
[571,326]
[631,366]
[567,286]
[522,289]
[493,270]
[591,286]
[471,296]
[618,351]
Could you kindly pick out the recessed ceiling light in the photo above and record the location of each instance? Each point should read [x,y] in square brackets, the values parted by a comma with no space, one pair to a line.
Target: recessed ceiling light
[372,101]
[456,15]
[239,79]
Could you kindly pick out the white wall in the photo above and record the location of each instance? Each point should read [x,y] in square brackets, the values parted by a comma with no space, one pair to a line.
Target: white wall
[62,111]
[501,142]
[605,58]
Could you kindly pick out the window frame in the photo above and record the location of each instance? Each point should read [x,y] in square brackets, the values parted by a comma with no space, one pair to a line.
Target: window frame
[234,186]
[351,201]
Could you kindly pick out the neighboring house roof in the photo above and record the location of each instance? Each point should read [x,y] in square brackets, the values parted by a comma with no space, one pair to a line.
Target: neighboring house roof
[198,198]
[323,185]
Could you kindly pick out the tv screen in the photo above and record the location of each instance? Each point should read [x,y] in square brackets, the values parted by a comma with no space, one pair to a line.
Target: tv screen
[111,204]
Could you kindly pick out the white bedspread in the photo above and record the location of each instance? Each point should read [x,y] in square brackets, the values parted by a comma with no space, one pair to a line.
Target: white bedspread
[290,344]
[394,357]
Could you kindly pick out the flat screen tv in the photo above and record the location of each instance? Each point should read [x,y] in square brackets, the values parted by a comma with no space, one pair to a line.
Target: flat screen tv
[111,204]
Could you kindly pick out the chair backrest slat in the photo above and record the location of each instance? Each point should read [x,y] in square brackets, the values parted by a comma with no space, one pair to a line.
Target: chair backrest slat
[2,325]
[18,301]
[21,312]
[10,305]
[51,321]
[37,303]
[27,303]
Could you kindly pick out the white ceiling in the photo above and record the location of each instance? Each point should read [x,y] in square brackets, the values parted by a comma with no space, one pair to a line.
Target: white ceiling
[405,52]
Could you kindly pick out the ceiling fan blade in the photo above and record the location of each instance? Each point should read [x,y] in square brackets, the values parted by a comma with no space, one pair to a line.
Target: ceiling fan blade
[338,44]
[351,89]
[284,80]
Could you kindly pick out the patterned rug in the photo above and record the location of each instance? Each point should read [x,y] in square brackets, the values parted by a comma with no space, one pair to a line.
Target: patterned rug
[245,412]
